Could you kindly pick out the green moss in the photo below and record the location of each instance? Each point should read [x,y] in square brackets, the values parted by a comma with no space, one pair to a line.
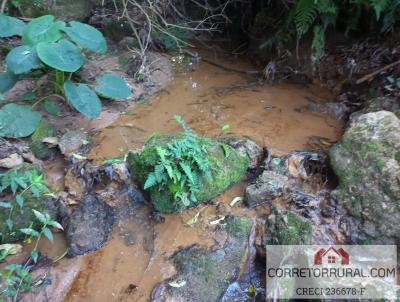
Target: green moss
[287,228]
[227,167]
[238,227]
[39,149]
[210,272]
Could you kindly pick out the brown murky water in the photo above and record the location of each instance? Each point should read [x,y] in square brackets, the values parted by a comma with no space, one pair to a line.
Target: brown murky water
[135,259]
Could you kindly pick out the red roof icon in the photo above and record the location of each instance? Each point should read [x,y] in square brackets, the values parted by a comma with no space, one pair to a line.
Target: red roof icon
[340,252]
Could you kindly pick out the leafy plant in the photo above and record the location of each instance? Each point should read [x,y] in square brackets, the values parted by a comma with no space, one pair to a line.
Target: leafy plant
[20,184]
[179,166]
[49,44]
[316,16]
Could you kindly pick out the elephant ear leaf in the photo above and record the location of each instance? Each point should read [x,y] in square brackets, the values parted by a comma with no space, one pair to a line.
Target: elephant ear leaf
[83,99]
[18,120]
[42,29]
[86,36]
[10,26]
[113,87]
[7,81]
[22,59]
[62,55]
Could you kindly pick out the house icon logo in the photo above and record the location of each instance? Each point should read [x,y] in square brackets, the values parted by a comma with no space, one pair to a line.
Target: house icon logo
[331,256]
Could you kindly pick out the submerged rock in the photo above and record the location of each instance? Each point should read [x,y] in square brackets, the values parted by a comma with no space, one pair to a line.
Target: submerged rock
[88,227]
[227,167]
[203,275]
[287,228]
[367,164]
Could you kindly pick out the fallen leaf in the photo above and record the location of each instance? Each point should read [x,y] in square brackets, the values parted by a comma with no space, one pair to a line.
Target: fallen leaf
[177,284]
[214,222]
[52,141]
[193,220]
[235,201]
[78,156]
[11,249]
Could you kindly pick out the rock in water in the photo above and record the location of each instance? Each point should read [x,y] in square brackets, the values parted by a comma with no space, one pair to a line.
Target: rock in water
[227,167]
[287,228]
[245,147]
[268,186]
[367,163]
[88,226]
[203,275]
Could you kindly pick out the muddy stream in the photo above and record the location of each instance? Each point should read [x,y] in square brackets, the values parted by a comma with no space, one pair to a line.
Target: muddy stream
[207,98]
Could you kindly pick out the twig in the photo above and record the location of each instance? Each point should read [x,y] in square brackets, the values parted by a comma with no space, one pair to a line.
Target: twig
[376,72]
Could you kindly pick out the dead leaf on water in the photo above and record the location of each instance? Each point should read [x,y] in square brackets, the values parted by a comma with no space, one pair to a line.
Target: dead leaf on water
[193,220]
[235,200]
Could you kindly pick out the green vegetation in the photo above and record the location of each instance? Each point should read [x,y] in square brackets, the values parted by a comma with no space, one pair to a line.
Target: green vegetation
[52,46]
[19,219]
[317,16]
[178,166]
[179,170]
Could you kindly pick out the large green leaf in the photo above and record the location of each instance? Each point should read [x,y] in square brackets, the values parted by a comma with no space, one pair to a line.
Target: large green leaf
[113,86]
[86,36]
[10,26]
[7,81]
[62,55]
[22,59]
[18,120]
[83,99]
[42,29]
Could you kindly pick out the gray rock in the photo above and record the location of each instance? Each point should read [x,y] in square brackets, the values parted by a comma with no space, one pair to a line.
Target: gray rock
[88,227]
[268,186]
[338,111]
[367,164]
[72,141]
[379,104]
[63,9]
[287,228]
[207,273]
[245,146]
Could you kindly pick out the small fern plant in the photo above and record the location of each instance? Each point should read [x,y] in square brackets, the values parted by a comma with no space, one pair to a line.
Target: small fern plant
[179,166]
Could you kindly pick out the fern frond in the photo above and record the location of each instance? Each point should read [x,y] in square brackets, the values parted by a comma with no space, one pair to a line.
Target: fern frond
[305,15]
[379,6]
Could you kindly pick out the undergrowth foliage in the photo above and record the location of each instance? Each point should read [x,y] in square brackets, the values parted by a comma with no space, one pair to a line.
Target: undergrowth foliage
[59,49]
[179,165]
[15,188]
[317,16]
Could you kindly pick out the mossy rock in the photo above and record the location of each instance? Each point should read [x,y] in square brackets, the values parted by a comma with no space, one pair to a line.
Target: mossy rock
[367,164]
[39,149]
[227,167]
[208,273]
[287,228]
